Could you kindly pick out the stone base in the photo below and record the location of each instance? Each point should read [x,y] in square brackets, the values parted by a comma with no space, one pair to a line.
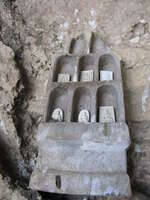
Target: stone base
[82,159]
[81,183]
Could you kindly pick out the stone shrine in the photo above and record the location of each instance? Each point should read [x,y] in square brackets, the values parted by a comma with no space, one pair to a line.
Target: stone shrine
[83,141]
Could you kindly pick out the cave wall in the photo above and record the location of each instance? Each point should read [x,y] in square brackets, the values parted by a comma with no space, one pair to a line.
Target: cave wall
[31,33]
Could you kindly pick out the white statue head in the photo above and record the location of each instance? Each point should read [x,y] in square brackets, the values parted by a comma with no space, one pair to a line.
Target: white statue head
[58,114]
[84,116]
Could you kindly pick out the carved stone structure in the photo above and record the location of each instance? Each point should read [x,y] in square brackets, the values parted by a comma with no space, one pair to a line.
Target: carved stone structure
[86,158]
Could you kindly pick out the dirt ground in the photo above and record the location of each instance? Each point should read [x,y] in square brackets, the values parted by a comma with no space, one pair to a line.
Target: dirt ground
[31,33]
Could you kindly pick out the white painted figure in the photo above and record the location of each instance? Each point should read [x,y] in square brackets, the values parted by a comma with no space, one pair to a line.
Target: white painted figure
[63,77]
[106,75]
[58,114]
[106,114]
[84,116]
[87,75]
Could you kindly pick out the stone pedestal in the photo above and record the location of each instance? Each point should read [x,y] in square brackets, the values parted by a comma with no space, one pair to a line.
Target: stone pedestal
[88,160]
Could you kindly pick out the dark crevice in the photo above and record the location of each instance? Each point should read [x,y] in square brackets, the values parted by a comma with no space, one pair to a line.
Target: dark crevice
[58,182]
[54,196]
[137,186]
[142,188]
[18,169]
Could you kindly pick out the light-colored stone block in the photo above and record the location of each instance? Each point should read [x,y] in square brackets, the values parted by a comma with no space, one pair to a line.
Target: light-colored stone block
[58,115]
[84,116]
[87,75]
[75,76]
[63,77]
[106,114]
[106,75]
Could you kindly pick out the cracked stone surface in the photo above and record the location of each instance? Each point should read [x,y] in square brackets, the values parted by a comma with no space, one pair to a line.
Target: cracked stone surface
[33,31]
[9,78]
[7,192]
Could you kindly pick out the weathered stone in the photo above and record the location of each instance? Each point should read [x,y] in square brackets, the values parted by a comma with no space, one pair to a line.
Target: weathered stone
[83,158]
[106,114]
[6,192]
[106,75]
[9,78]
[86,151]
[87,75]
[84,116]
[63,77]
[43,29]
[140,154]
[103,185]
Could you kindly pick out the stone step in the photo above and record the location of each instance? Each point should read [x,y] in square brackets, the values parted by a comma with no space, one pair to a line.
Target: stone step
[104,133]
[81,183]
[83,157]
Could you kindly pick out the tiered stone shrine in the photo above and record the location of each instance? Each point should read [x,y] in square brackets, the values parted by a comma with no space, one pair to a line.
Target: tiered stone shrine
[83,141]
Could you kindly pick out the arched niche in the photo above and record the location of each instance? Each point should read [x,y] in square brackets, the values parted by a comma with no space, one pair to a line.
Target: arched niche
[57,99]
[81,100]
[107,96]
[65,65]
[87,63]
[97,45]
[78,45]
[108,62]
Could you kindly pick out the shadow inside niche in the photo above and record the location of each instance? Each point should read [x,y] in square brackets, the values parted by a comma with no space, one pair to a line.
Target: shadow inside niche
[11,161]
[54,196]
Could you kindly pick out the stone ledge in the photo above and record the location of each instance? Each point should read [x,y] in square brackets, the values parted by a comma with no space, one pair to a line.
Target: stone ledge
[72,158]
[81,183]
[97,133]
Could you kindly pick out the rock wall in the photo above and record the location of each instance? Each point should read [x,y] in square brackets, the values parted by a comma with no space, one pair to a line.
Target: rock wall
[31,32]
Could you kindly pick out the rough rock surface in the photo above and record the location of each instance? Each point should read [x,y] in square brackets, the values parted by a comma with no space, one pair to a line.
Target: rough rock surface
[8,193]
[9,78]
[31,32]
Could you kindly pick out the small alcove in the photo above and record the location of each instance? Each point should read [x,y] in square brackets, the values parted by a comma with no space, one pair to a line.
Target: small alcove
[81,100]
[78,45]
[65,65]
[57,99]
[97,45]
[107,62]
[107,96]
[87,64]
